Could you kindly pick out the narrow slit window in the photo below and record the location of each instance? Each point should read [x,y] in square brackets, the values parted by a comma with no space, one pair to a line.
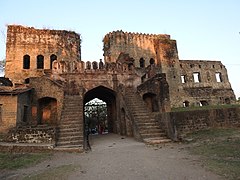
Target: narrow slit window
[218,77]
[1,112]
[142,62]
[183,78]
[196,77]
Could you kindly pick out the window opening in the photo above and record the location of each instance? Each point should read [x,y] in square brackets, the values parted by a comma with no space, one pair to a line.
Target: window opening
[40,62]
[53,57]
[186,104]
[196,77]
[152,61]
[183,78]
[26,62]
[142,62]
[218,77]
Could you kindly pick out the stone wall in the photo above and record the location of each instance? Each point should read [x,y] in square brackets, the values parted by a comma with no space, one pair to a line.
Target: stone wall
[31,134]
[178,124]
[46,90]
[155,92]
[205,81]
[8,105]
[137,45]
[29,42]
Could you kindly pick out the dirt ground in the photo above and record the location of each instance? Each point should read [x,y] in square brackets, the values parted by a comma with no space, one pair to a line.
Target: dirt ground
[116,157]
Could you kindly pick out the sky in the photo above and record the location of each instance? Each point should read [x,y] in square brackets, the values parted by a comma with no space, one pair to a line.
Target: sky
[204,30]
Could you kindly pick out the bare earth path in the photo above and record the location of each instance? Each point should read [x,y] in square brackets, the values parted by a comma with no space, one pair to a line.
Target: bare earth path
[116,157]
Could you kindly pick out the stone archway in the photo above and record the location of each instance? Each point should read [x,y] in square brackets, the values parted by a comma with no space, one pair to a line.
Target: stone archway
[109,97]
[151,101]
[47,111]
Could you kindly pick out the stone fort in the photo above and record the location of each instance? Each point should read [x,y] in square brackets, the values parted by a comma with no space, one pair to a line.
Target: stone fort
[141,78]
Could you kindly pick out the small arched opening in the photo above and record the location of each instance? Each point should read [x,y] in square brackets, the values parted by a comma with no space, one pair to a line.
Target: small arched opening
[26,62]
[227,101]
[53,57]
[142,63]
[186,104]
[47,112]
[151,101]
[152,61]
[40,62]
[203,103]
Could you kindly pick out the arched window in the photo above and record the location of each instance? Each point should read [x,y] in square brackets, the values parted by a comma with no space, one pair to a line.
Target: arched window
[53,57]
[26,62]
[142,62]
[40,62]
[152,61]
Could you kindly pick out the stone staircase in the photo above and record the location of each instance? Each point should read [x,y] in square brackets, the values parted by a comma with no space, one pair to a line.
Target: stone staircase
[70,129]
[148,128]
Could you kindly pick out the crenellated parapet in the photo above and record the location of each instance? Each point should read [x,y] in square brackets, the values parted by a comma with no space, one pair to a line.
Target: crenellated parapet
[31,51]
[139,46]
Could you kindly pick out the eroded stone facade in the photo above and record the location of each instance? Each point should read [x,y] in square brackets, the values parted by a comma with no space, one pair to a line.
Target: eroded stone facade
[48,63]
[191,82]
[30,51]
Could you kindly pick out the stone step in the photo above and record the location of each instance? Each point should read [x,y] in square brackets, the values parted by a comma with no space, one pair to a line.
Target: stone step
[73,109]
[148,127]
[70,138]
[71,113]
[63,130]
[70,133]
[67,126]
[144,118]
[151,130]
[67,121]
[70,143]
[147,124]
[152,135]
[67,118]
[152,141]
[70,148]
[140,112]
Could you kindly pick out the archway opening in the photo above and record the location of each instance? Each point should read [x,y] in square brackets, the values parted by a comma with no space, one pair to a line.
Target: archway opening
[151,101]
[100,111]
[95,113]
[53,57]
[47,113]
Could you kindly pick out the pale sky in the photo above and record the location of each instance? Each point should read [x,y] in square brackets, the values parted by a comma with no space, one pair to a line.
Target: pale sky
[204,29]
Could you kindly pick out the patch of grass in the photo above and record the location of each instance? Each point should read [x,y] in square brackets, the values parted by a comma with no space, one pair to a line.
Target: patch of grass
[194,108]
[19,160]
[60,172]
[219,149]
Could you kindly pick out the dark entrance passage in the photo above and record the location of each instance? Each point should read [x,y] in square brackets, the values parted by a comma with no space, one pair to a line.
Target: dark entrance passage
[100,114]
[47,113]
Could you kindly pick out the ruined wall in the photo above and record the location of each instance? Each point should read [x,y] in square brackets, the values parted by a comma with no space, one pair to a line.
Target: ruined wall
[24,108]
[157,90]
[8,105]
[178,124]
[32,134]
[143,48]
[205,81]
[28,46]
[44,88]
